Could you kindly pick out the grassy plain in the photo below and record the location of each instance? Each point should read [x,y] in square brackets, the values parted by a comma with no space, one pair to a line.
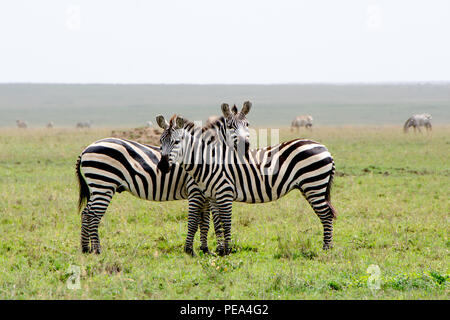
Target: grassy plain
[391,192]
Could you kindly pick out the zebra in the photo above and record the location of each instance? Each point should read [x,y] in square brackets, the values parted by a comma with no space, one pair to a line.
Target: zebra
[149,124]
[226,169]
[85,124]
[22,124]
[50,125]
[302,121]
[418,120]
[115,165]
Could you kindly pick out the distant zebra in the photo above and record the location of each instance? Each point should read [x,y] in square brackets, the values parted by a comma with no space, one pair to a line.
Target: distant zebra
[218,159]
[85,124]
[417,121]
[50,125]
[302,121]
[149,124]
[115,165]
[22,124]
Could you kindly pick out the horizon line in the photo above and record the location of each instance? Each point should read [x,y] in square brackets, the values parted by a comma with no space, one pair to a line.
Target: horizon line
[409,82]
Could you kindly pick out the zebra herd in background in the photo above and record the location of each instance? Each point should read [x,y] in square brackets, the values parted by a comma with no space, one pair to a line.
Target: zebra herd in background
[211,166]
[416,121]
[24,124]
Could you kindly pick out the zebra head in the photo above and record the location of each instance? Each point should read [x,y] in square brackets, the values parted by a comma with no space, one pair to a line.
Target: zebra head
[237,126]
[170,141]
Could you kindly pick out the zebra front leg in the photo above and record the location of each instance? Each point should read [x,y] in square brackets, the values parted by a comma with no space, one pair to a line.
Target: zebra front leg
[196,207]
[224,206]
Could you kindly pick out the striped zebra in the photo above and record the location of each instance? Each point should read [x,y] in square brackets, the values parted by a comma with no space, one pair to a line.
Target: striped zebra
[115,165]
[218,158]
[418,120]
[302,121]
[22,124]
[85,124]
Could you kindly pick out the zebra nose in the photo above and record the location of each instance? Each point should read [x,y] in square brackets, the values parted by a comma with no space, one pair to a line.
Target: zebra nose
[163,164]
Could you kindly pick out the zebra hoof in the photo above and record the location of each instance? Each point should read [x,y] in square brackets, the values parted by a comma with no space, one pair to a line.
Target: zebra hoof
[85,250]
[220,251]
[223,251]
[205,250]
[97,250]
[327,246]
[189,251]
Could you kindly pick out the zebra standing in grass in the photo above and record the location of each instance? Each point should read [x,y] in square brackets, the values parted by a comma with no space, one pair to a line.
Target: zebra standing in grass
[218,158]
[22,124]
[114,165]
[85,124]
[417,121]
[302,121]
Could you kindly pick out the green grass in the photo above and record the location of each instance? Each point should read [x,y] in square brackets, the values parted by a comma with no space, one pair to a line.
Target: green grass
[391,192]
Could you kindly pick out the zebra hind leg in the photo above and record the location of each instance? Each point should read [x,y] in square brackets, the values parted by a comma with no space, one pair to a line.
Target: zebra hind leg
[204,228]
[195,213]
[85,239]
[97,208]
[325,211]
[225,208]
[218,229]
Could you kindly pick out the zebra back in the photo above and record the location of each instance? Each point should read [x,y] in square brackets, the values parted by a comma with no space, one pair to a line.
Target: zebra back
[114,164]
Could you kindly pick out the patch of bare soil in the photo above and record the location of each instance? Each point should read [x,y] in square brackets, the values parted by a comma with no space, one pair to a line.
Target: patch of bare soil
[142,135]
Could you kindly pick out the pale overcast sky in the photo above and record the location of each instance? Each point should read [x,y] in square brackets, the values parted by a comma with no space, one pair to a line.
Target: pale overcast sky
[233,41]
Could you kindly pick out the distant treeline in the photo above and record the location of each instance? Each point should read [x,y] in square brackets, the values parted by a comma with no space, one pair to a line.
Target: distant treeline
[274,105]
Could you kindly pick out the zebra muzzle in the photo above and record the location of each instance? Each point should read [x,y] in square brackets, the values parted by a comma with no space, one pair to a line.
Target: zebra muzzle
[163,164]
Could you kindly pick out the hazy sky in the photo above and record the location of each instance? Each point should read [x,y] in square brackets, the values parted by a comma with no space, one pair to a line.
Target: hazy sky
[233,41]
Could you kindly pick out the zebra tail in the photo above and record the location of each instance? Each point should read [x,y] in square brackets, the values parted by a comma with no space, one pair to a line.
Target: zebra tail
[328,193]
[83,187]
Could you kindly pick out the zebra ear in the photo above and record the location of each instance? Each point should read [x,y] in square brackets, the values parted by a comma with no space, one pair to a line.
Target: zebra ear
[225,110]
[246,108]
[234,109]
[162,123]
[179,121]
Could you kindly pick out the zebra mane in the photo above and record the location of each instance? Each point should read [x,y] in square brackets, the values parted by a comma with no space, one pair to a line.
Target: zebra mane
[218,123]
[211,132]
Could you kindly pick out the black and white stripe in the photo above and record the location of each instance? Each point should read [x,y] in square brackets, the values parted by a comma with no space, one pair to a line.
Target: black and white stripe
[226,172]
[116,165]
